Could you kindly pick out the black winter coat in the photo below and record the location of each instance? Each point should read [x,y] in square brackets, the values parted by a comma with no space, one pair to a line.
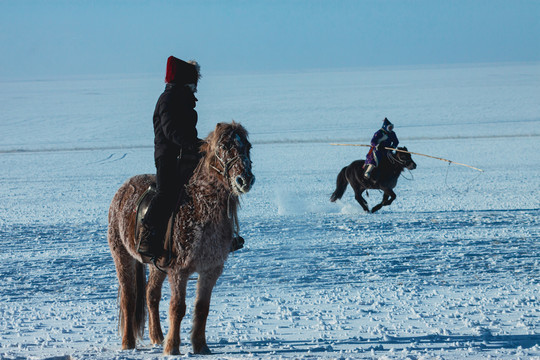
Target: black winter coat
[175,121]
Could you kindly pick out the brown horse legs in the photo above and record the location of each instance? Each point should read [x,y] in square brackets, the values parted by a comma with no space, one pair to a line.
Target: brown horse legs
[127,304]
[153,296]
[177,310]
[205,284]
[127,294]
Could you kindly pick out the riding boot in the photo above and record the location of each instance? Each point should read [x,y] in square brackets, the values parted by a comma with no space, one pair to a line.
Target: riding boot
[149,243]
[367,172]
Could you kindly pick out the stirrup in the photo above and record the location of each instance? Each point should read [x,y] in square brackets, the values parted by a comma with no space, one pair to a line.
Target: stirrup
[370,181]
[154,262]
[148,252]
[167,257]
[147,239]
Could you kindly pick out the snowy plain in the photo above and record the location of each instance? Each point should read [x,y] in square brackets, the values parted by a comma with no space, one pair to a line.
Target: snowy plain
[450,270]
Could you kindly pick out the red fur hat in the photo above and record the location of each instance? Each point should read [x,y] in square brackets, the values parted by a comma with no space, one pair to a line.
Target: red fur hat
[181,72]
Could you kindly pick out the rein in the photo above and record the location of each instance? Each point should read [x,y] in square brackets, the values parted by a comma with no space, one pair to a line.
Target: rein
[226,164]
[403,163]
[394,160]
[231,214]
[224,172]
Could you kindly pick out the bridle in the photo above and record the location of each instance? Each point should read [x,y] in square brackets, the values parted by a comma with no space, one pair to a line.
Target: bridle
[224,172]
[393,159]
[396,160]
[225,164]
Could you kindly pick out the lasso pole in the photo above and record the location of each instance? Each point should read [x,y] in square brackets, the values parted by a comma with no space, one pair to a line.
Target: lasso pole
[415,153]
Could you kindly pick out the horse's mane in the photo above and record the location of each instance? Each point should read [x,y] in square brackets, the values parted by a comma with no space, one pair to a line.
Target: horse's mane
[208,162]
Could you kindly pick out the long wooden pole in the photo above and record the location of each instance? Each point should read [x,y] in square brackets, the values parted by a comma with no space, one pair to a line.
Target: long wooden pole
[415,153]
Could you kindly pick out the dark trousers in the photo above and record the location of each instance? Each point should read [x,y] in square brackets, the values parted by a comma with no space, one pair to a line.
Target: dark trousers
[171,175]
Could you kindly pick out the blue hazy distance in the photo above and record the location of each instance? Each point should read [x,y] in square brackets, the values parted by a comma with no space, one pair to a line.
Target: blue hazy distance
[41,39]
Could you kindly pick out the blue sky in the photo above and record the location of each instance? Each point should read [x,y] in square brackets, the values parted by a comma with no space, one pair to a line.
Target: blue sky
[43,39]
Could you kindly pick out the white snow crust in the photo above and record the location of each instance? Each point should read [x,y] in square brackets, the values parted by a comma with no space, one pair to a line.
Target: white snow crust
[450,270]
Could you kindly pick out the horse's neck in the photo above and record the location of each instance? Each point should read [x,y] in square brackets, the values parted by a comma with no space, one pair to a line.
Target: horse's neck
[393,166]
[208,192]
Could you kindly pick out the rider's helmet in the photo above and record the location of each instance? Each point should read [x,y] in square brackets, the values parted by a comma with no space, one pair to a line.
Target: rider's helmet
[387,125]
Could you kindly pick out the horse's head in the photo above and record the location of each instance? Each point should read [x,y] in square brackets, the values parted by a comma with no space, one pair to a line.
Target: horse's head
[405,158]
[227,151]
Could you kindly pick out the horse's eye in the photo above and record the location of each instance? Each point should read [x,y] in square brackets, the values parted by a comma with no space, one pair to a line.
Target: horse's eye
[238,140]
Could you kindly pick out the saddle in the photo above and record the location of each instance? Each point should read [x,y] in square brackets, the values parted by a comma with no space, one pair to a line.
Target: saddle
[142,207]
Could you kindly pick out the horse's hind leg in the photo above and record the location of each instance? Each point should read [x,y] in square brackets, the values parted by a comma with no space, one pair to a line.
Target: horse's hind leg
[205,284]
[153,297]
[127,293]
[177,309]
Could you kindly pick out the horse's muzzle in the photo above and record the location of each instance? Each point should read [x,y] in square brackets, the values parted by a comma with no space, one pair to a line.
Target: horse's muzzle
[411,166]
[244,182]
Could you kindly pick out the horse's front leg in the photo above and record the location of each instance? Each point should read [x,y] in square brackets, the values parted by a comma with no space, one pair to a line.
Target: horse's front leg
[388,197]
[205,284]
[177,309]
[392,196]
[153,297]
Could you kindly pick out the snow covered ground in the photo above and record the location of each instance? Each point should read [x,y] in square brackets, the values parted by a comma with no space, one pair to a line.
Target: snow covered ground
[450,270]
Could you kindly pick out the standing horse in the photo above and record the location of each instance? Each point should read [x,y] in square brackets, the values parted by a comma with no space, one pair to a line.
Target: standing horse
[202,235]
[387,174]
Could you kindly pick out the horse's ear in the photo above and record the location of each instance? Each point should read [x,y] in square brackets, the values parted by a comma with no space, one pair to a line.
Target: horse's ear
[405,148]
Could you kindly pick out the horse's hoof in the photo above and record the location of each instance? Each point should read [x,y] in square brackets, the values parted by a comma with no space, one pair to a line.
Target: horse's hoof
[128,345]
[203,350]
[171,351]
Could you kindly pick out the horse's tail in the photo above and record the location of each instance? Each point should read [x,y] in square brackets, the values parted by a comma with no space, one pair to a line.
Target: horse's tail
[139,293]
[341,185]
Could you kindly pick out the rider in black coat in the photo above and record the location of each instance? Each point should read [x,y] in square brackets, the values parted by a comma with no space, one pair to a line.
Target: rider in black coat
[176,150]
[175,121]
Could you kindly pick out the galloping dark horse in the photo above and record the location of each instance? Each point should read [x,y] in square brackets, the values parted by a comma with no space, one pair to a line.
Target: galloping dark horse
[386,174]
